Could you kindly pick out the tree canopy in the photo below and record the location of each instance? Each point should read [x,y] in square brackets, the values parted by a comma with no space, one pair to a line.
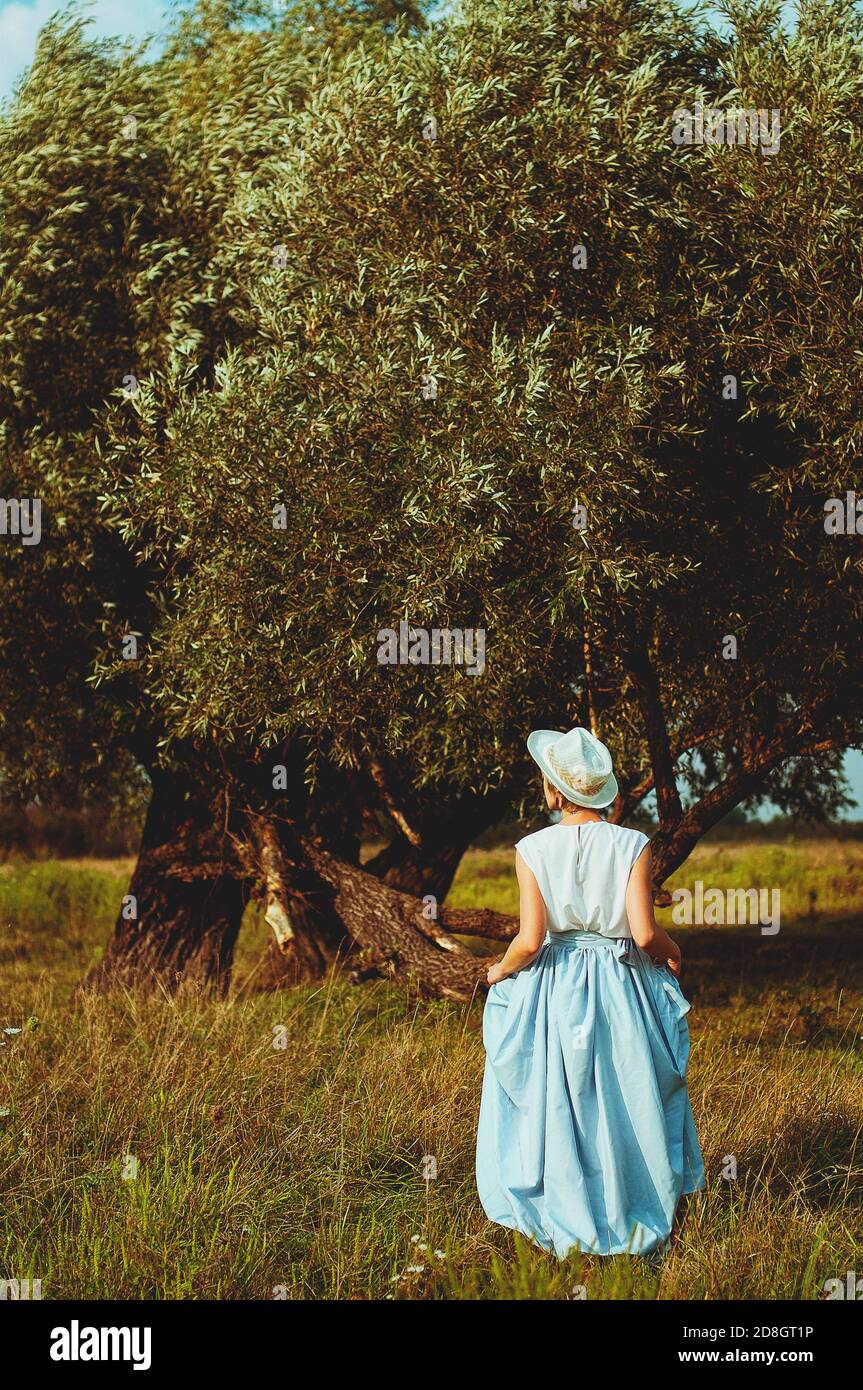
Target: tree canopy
[369,257]
[330,320]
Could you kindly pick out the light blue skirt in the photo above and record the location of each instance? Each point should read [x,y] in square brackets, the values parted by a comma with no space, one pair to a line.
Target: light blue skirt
[586,1138]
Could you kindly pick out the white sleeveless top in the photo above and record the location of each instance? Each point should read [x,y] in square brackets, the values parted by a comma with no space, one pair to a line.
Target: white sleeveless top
[583,872]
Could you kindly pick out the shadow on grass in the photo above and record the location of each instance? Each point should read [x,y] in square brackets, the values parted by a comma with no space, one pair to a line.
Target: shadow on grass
[719,962]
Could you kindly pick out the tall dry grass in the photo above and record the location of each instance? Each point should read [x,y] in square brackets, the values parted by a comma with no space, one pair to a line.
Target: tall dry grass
[277,1144]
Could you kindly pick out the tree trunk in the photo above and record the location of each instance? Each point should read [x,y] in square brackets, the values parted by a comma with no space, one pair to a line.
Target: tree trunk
[180,918]
[396,937]
[308,934]
[429,866]
[418,871]
[646,684]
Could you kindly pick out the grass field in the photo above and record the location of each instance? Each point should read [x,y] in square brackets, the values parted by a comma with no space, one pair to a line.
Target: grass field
[176,1149]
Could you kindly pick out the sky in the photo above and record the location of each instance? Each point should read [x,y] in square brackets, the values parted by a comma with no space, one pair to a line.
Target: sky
[20,23]
[854,773]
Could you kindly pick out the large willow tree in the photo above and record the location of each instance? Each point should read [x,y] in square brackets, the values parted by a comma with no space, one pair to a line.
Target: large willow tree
[497,353]
[115,176]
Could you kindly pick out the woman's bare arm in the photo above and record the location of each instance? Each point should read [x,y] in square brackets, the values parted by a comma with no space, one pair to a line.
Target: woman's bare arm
[646,931]
[527,944]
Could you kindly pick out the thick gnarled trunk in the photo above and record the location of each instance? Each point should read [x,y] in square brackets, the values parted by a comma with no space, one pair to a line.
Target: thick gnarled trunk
[182,912]
[387,917]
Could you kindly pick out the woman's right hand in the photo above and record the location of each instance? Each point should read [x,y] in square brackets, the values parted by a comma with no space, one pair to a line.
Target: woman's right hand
[674,960]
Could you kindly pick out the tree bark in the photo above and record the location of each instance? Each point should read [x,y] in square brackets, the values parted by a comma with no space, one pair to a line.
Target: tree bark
[397,939]
[427,863]
[418,871]
[646,683]
[308,933]
[180,918]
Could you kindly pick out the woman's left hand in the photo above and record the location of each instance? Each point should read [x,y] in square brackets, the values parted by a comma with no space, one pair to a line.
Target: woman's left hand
[495,974]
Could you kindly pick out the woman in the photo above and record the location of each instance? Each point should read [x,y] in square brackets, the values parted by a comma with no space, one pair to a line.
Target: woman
[586,1139]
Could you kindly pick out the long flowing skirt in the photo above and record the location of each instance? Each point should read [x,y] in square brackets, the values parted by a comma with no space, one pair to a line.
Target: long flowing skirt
[586,1138]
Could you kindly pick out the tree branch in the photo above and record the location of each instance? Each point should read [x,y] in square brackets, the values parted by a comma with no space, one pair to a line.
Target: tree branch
[479,921]
[671,844]
[395,938]
[630,796]
[392,799]
[646,683]
[272,865]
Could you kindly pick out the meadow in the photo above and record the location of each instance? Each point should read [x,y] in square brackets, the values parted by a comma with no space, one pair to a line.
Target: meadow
[318,1143]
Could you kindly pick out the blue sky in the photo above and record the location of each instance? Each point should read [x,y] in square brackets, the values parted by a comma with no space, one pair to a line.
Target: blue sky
[854,773]
[20,22]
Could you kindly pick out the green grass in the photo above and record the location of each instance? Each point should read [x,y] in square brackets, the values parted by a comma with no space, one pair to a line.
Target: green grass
[301,1167]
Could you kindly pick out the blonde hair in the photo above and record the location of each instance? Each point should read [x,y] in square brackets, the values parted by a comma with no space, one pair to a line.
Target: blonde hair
[558,800]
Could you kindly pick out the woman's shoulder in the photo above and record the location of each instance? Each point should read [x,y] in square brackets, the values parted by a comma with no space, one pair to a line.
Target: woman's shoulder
[631,842]
[535,837]
[533,845]
[627,832]
[539,840]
